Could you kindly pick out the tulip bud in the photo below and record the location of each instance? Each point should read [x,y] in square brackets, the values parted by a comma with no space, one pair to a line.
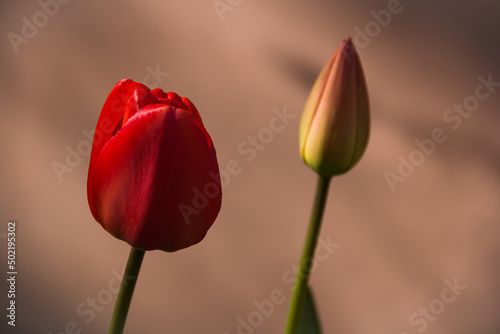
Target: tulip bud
[335,124]
[151,159]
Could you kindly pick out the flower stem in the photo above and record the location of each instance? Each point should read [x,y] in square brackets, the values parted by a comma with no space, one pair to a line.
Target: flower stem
[126,291]
[306,261]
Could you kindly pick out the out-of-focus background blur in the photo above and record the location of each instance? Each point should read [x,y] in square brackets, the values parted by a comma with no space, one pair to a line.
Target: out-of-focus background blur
[410,241]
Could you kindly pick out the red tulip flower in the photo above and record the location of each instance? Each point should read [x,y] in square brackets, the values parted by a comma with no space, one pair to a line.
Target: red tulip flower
[153,177]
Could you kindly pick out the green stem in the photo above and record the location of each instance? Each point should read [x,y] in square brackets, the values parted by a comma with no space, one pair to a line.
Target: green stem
[306,261]
[126,291]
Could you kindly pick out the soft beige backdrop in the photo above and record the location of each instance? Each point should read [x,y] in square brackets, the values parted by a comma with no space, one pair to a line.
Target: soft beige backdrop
[396,248]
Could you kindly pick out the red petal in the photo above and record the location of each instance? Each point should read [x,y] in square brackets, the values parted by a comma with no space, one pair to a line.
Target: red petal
[159,93]
[191,108]
[111,114]
[140,97]
[109,119]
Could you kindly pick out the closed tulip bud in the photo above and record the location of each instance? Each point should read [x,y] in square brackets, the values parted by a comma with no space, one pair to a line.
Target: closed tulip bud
[153,178]
[335,124]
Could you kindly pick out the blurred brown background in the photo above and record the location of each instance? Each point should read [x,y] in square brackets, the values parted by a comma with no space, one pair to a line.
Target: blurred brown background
[238,63]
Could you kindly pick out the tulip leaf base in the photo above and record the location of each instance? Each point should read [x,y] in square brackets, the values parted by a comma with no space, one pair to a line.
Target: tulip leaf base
[126,291]
[309,320]
[300,290]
